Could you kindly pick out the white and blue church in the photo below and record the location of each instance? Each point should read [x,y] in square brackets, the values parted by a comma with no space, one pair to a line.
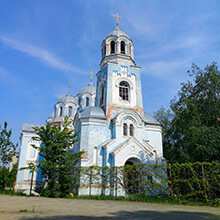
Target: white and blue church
[113,128]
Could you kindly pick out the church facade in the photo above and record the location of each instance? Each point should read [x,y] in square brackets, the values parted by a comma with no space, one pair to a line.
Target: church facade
[113,128]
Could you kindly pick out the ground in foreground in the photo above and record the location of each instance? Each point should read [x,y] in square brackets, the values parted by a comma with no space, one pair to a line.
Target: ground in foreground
[19,207]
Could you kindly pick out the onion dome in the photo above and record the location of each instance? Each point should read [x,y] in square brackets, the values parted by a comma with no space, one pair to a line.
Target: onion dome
[118,33]
[89,89]
[150,119]
[67,99]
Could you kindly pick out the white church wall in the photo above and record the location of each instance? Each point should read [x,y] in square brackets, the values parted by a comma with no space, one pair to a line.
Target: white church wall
[93,134]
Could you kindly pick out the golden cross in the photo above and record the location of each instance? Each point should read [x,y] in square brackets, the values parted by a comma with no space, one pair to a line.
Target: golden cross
[117,17]
[68,89]
[91,73]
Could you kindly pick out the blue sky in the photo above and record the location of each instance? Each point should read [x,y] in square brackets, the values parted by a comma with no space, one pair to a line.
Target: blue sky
[47,45]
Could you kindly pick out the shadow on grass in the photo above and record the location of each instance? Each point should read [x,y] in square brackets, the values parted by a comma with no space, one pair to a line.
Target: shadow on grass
[154,215]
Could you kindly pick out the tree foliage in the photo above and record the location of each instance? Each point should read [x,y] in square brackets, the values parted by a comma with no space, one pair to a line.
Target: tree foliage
[7,147]
[58,162]
[191,126]
[7,178]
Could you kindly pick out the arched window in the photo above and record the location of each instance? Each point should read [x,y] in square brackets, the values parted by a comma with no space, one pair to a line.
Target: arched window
[124,90]
[104,50]
[123,47]
[79,101]
[70,111]
[125,129]
[112,44]
[87,101]
[130,49]
[61,111]
[102,95]
[131,130]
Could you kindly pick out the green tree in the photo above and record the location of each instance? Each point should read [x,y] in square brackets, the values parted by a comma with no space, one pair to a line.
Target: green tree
[58,162]
[7,147]
[194,131]
[7,178]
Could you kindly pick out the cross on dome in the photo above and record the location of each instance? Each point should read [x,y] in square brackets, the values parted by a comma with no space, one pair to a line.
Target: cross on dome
[117,17]
[91,74]
[69,90]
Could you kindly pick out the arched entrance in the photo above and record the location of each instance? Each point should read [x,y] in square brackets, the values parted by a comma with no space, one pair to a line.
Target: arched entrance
[132,176]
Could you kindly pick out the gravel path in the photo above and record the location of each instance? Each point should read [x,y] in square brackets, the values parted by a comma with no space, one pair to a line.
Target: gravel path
[18,207]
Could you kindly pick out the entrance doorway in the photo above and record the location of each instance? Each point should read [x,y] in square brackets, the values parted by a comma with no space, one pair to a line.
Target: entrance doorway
[132,176]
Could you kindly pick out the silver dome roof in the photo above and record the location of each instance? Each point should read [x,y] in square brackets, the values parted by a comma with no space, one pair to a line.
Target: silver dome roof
[90,89]
[92,112]
[150,119]
[118,32]
[67,99]
[51,115]
[50,119]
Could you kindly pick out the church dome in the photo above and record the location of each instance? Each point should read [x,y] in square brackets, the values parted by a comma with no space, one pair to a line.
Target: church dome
[117,32]
[150,119]
[50,119]
[117,46]
[89,89]
[93,112]
[67,99]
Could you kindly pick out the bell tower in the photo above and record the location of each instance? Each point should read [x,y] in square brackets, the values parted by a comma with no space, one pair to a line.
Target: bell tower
[118,81]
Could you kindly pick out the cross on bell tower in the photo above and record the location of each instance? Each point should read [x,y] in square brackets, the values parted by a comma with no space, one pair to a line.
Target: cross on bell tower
[117,17]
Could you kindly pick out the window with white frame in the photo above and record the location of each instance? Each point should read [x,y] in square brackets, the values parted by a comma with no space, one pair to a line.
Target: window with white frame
[70,111]
[131,130]
[87,101]
[124,90]
[112,47]
[61,111]
[125,129]
[123,47]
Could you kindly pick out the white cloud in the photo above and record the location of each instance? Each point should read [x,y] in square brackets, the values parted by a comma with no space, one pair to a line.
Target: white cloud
[44,55]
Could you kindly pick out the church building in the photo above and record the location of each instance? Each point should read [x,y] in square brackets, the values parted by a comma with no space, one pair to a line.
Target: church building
[113,128]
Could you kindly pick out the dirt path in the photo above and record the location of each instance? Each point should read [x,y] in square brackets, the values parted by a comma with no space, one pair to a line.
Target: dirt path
[11,207]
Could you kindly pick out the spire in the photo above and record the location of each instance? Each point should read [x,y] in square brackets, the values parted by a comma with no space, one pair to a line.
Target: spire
[117,17]
[68,90]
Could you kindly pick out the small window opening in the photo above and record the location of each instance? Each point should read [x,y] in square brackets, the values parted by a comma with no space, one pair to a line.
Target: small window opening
[131,130]
[124,90]
[104,50]
[130,49]
[87,101]
[79,101]
[112,47]
[123,47]
[125,129]
[102,95]
[70,111]
[61,111]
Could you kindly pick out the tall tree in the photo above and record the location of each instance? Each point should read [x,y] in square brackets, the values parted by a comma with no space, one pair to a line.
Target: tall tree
[194,132]
[58,161]
[7,147]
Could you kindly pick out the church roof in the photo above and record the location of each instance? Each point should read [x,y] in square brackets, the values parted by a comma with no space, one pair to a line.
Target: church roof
[50,118]
[93,112]
[150,119]
[67,99]
[117,32]
[30,127]
[90,89]
[51,115]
